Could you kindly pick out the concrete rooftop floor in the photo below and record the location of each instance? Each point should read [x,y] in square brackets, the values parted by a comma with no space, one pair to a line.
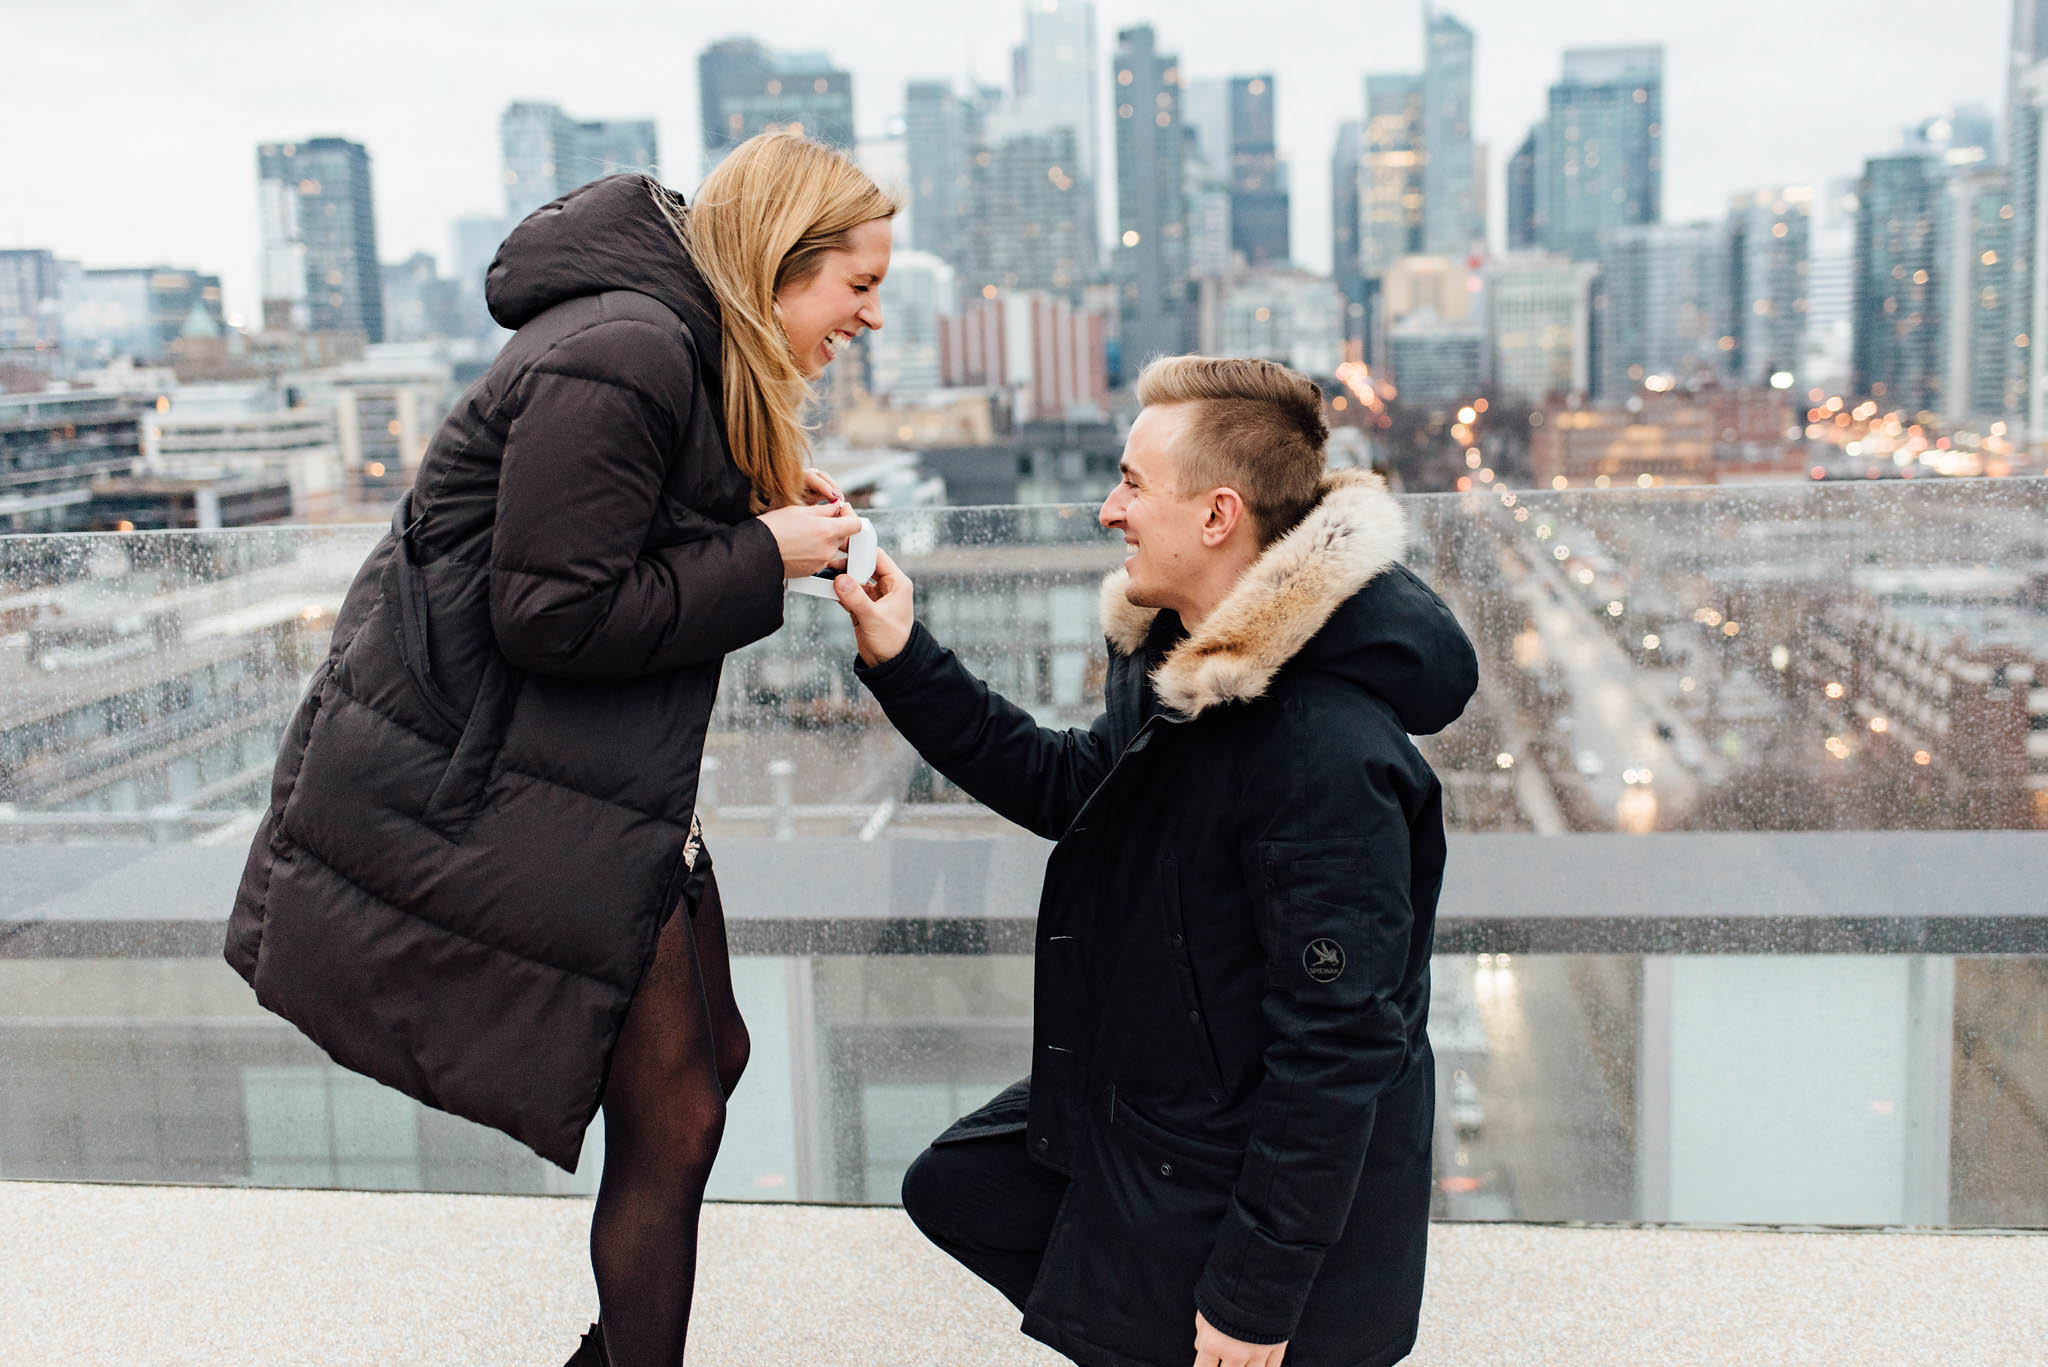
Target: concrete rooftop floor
[135,1275]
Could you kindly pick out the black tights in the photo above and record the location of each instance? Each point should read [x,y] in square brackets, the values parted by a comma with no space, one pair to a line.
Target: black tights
[679,1054]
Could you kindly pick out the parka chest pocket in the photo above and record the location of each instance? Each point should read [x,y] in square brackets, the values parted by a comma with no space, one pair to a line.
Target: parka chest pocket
[1181,963]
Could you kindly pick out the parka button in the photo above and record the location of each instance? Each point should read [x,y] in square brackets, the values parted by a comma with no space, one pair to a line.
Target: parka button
[1044,1144]
[1176,942]
[1166,1169]
[1195,1017]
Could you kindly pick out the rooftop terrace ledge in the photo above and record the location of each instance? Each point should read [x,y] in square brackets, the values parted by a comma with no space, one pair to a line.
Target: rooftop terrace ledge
[227,1277]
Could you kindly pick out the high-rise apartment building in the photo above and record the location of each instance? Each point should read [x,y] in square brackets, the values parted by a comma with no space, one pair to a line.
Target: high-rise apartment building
[1661,313]
[1029,225]
[1524,230]
[2028,96]
[1391,186]
[1899,356]
[1601,157]
[1206,191]
[1539,319]
[2027,44]
[1058,85]
[1977,333]
[744,87]
[1438,365]
[1831,290]
[1453,217]
[1259,219]
[30,302]
[319,222]
[1770,238]
[904,356]
[1230,123]
[1274,313]
[1150,263]
[1347,163]
[546,154]
[942,131]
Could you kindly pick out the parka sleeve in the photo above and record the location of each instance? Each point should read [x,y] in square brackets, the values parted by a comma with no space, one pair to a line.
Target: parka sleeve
[1332,865]
[575,592]
[1036,776]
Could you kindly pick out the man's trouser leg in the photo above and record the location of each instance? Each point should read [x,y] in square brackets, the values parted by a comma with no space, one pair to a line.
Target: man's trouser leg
[988,1205]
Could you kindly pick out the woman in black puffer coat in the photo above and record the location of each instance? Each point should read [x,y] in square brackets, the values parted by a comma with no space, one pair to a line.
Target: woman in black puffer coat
[482,815]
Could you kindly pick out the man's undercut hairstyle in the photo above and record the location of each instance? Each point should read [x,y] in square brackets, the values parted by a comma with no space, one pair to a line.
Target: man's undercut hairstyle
[1257,427]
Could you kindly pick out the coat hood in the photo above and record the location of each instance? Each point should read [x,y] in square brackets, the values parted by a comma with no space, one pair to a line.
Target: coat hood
[607,235]
[1330,595]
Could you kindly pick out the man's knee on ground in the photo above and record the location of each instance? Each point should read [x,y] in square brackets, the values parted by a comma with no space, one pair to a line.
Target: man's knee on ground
[928,1188]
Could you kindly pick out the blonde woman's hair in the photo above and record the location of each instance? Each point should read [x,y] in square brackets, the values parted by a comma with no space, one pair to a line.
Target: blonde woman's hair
[1258,428]
[764,219]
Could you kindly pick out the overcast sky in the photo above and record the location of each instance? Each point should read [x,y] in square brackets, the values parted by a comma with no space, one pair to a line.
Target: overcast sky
[130,128]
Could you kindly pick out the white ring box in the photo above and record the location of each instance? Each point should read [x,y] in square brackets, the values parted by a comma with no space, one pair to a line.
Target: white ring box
[860,563]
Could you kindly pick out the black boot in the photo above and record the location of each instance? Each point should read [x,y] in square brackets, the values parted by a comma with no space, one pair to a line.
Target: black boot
[590,1352]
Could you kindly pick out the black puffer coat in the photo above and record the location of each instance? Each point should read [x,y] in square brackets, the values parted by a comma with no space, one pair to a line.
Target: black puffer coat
[1229,1057]
[480,810]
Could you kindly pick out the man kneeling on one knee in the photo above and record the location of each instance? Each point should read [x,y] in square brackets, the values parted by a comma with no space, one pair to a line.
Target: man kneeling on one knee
[1222,1153]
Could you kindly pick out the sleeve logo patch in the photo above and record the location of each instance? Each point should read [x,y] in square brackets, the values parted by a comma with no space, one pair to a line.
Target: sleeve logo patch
[1323,960]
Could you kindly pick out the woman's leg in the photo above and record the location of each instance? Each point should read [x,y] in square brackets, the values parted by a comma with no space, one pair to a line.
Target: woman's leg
[664,1112]
[728,1031]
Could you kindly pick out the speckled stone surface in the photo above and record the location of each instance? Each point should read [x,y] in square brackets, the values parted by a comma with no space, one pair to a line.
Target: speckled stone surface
[172,1275]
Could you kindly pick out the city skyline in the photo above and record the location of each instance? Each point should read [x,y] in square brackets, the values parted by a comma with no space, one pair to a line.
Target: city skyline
[431,126]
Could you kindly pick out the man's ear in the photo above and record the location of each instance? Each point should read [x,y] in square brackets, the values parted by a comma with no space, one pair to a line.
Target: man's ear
[1226,511]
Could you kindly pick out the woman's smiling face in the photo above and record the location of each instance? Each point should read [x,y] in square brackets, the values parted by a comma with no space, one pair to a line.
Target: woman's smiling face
[821,315]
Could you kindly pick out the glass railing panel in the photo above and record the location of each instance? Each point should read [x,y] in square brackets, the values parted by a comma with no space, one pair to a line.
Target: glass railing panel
[1781,963]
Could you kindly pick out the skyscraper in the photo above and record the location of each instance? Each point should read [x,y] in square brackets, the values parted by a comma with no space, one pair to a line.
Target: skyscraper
[941,131]
[1206,193]
[2027,44]
[1662,308]
[1029,220]
[1346,163]
[1770,238]
[1452,218]
[1831,290]
[1977,333]
[1898,352]
[917,292]
[1057,82]
[1231,123]
[744,87]
[546,153]
[1601,158]
[2029,95]
[1259,218]
[1539,325]
[1391,190]
[319,222]
[1151,253]
[1523,229]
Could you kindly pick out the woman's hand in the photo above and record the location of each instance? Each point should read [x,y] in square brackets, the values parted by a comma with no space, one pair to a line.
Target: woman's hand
[811,537]
[819,488]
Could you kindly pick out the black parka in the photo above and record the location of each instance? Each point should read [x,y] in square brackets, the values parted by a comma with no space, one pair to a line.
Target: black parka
[1229,1057]
[480,810]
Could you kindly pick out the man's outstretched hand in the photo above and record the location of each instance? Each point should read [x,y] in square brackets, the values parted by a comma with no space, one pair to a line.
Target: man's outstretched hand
[882,612]
[1214,1348]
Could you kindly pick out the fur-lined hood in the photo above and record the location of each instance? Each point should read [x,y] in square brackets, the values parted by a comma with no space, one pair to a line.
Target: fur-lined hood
[1398,641]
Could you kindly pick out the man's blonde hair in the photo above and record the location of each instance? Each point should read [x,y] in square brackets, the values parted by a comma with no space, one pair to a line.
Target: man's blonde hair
[1258,428]
[763,219]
